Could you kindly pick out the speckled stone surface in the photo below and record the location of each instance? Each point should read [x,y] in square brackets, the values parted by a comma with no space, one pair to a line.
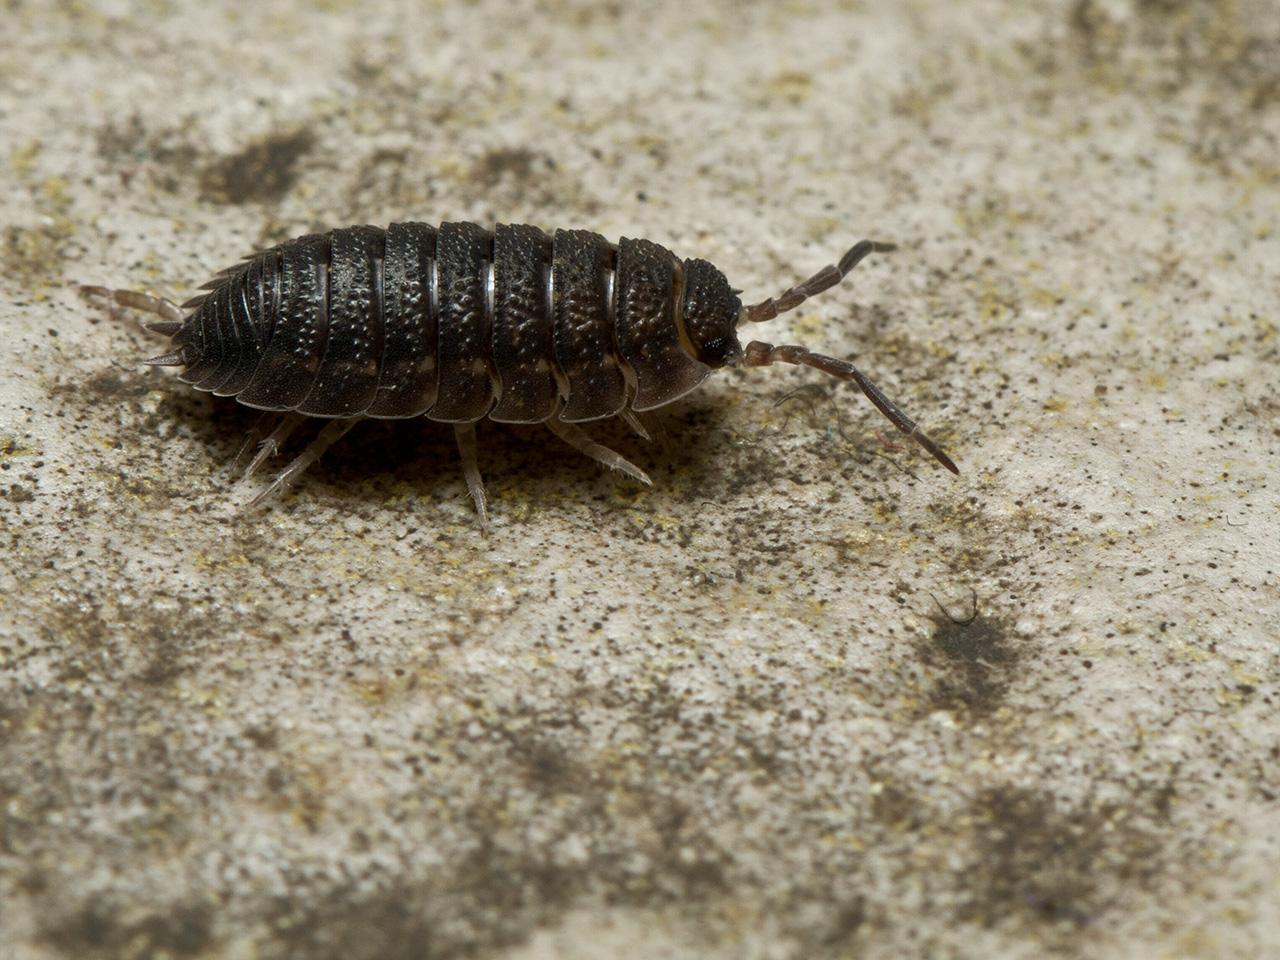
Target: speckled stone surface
[807,696]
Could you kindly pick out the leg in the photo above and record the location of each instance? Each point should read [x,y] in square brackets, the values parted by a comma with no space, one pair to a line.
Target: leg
[171,317]
[251,440]
[331,434]
[465,434]
[270,446]
[571,434]
[760,354]
[637,425]
[648,426]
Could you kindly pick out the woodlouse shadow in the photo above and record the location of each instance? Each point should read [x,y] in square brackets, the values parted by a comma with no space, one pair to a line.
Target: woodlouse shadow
[379,455]
[707,444]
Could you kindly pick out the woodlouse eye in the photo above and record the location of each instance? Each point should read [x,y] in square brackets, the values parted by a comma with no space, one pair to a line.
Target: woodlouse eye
[721,352]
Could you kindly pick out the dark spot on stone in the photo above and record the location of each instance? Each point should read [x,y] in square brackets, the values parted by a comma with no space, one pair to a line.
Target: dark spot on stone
[164,664]
[264,737]
[11,717]
[846,923]
[973,660]
[972,641]
[277,780]
[20,494]
[549,767]
[1041,863]
[107,386]
[689,865]
[79,621]
[131,140]
[98,929]
[1162,47]
[161,156]
[514,163]
[34,252]
[895,807]
[394,924]
[119,140]
[489,899]
[262,172]
[33,882]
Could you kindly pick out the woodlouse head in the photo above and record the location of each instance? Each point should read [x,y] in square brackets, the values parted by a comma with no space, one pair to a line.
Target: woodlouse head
[710,315]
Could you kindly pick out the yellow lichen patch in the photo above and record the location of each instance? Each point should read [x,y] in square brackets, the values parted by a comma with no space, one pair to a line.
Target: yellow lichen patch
[1233,696]
[211,564]
[23,158]
[1042,296]
[808,326]
[1054,361]
[992,213]
[374,690]
[1246,678]
[11,449]
[37,251]
[1183,651]
[791,86]
[823,229]
[994,305]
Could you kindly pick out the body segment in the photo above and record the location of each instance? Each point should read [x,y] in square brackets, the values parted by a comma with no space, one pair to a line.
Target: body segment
[523,345]
[464,266]
[408,380]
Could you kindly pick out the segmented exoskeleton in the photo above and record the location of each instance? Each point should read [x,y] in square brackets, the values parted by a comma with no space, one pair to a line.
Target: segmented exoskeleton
[461,323]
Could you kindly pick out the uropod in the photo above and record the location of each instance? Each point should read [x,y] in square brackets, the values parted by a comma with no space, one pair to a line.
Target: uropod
[460,323]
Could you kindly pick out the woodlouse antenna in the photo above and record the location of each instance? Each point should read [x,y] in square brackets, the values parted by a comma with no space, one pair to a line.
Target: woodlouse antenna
[759,354]
[824,279]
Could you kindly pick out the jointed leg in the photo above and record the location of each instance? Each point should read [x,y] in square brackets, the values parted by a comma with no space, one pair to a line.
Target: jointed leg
[170,313]
[270,446]
[760,354]
[635,422]
[571,434]
[251,440]
[331,434]
[465,433]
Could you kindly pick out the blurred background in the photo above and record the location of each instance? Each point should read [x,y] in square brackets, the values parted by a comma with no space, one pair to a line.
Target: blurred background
[808,696]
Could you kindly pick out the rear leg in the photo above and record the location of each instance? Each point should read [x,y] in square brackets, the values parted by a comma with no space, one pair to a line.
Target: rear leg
[465,433]
[637,424]
[333,432]
[573,435]
[170,314]
[251,440]
[650,426]
[267,448]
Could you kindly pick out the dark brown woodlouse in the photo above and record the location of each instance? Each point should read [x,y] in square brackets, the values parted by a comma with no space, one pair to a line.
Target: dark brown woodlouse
[462,323]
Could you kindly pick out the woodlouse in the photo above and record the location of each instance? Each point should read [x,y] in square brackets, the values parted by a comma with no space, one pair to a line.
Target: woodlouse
[461,323]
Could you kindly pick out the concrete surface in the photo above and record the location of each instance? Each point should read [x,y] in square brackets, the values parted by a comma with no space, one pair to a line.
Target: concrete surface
[726,716]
